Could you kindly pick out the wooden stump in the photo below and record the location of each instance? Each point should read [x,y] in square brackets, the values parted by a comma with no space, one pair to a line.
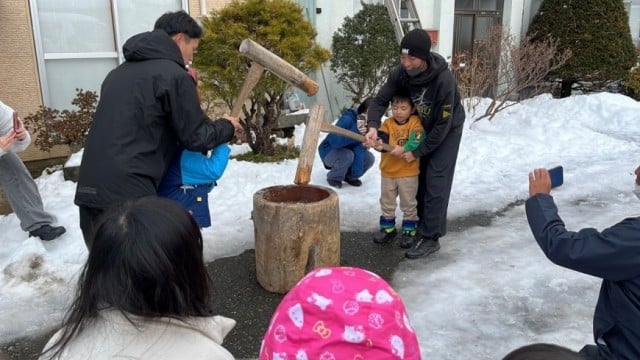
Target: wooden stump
[297,229]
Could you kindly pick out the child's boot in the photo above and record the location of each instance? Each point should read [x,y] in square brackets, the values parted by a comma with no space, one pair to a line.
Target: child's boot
[408,233]
[387,231]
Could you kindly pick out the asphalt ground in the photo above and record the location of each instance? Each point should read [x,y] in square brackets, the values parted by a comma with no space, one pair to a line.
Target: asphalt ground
[238,294]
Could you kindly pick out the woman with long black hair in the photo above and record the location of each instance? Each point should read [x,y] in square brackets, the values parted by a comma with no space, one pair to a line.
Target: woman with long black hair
[144,292]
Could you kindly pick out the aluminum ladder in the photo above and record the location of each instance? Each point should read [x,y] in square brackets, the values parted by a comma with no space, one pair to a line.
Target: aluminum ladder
[404,16]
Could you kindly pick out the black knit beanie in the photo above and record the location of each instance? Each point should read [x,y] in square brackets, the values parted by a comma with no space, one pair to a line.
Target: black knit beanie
[416,43]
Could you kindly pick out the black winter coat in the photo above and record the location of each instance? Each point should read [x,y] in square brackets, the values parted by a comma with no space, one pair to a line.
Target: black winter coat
[614,256]
[435,95]
[147,105]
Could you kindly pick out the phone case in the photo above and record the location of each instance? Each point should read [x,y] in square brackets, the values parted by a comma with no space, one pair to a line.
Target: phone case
[16,122]
[557,176]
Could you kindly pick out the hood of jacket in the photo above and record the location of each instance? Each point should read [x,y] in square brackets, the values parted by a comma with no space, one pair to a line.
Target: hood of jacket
[151,45]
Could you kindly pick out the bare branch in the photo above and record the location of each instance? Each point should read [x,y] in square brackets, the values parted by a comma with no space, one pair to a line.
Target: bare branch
[505,70]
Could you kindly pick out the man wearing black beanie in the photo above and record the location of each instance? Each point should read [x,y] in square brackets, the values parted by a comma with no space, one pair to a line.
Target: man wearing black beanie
[426,77]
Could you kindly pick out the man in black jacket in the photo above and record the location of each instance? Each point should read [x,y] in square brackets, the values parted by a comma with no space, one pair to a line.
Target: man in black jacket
[613,255]
[147,105]
[426,77]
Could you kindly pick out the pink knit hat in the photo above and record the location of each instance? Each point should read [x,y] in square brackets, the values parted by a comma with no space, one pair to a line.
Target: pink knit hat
[340,313]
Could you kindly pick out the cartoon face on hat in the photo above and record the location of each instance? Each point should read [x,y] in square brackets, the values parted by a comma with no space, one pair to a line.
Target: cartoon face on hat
[340,313]
[416,43]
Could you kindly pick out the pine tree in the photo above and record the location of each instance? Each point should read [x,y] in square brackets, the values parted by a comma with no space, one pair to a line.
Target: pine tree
[364,51]
[277,25]
[597,33]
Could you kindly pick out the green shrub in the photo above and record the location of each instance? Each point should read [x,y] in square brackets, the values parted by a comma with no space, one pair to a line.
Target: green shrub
[281,152]
[364,50]
[596,32]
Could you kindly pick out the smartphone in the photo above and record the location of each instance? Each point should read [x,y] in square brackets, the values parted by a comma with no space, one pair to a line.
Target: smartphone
[362,124]
[16,121]
[557,176]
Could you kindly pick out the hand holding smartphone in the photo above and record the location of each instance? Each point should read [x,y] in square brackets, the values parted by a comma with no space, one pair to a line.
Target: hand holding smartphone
[557,176]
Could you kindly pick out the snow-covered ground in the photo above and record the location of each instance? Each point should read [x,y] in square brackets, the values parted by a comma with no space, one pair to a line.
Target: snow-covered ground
[487,291]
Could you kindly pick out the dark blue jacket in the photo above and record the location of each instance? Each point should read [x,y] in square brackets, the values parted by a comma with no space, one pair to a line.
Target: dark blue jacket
[614,256]
[349,121]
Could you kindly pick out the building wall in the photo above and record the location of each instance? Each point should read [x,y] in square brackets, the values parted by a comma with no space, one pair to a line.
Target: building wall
[18,71]
[208,4]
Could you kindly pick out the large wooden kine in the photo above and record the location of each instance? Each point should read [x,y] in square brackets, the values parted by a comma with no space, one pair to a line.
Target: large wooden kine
[296,227]
[278,66]
[261,60]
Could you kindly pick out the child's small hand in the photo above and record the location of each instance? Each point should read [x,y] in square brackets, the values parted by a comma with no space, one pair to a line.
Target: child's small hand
[377,145]
[408,156]
[397,151]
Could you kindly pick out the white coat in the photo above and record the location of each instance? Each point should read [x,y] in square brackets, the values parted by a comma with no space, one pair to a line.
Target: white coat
[111,335]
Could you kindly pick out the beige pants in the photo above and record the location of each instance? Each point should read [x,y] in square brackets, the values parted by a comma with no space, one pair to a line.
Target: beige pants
[405,188]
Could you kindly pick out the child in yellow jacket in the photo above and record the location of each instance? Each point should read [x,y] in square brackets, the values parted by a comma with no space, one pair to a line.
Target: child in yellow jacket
[404,132]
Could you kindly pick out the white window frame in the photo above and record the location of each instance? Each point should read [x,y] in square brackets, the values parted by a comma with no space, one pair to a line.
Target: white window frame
[41,56]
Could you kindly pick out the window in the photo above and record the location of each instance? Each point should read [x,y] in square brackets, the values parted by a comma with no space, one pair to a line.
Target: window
[79,41]
[488,5]
[464,4]
[473,20]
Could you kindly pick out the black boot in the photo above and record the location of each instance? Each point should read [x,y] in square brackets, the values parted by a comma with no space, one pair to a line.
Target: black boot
[385,235]
[387,230]
[408,234]
[47,232]
[335,183]
[408,239]
[424,246]
[354,182]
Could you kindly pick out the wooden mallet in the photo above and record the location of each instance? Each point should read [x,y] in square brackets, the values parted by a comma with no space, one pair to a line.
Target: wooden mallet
[262,59]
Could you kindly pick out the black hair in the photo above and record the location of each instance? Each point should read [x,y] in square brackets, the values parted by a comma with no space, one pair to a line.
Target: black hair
[543,352]
[402,96]
[146,260]
[178,22]
[364,105]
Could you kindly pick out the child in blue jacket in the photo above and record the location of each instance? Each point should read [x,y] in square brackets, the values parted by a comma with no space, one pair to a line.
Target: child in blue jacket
[190,178]
[347,159]
[192,175]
